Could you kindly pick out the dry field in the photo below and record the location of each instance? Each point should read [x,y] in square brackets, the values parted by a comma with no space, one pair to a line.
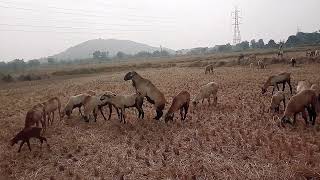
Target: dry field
[238,139]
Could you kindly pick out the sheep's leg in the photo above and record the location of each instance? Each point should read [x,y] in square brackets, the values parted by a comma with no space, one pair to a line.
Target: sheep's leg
[289,83]
[209,100]
[52,118]
[21,144]
[277,86]
[215,101]
[100,109]
[80,111]
[123,115]
[59,111]
[186,107]
[284,104]
[159,111]
[95,114]
[181,113]
[304,115]
[110,111]
[202,100]
[28,142]
[273,89]
[283,86]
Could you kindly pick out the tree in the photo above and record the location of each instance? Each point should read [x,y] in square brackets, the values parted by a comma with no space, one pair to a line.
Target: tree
[33,63]
[121,55]
[17,64]
[260,44]
[51,61]
[242,46]
[271,44]
[96,55]
[253,44]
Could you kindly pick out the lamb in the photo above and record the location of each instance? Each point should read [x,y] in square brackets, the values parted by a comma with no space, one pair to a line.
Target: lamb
[26,134]
[303,85]
[293,61]
[276,99]
[304,99]
[209,69]
[125,101]
[181,101]
[261,64]
[206,91]
[50,107]
[274,80]
[148,90]
[74,102]
[35,116]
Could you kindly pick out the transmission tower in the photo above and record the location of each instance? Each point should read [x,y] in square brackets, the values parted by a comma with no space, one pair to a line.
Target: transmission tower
[235,23]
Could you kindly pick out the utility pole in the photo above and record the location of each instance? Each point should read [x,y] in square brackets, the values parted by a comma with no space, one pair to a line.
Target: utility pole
[236,29]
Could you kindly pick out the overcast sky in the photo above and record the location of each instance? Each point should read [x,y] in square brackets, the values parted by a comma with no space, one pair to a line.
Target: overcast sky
[39,28]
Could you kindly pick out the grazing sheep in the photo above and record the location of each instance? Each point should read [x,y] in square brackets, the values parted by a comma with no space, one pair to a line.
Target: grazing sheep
[251,65]
[303,85]
[125,101]
[91,104]
[276,99]
[317,52]
[50,107]
[261,64]
[26,134]
[206,91]
[293,62]
[35,116]
[209,69]
[181,101]
[148,90]
[305,99]
[274,80]
[74,102]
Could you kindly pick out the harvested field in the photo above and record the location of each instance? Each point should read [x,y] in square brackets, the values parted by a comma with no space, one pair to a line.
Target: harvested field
[238,139]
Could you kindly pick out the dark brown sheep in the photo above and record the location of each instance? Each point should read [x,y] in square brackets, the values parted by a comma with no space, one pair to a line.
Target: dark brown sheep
[181,101]
[27,133]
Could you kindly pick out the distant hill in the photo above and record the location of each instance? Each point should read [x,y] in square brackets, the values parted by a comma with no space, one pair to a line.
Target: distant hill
[85,49]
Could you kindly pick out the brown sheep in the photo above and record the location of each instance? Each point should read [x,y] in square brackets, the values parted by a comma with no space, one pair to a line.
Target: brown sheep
[274,80]
[35,116]
[50,107]
[276,99]
[306,99]
[181,101]
[209,69]
[148,90]
[26,134]
[206,91]
[293,62]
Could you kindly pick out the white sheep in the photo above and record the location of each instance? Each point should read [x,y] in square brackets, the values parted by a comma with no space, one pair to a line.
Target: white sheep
[50,106]
[206,91]
[276,99]
[303,85]
[74,102]
[316,88]
[91,105]
[125,101]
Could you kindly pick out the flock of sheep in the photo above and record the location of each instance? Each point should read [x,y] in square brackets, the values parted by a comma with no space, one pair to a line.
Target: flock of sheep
[307,100]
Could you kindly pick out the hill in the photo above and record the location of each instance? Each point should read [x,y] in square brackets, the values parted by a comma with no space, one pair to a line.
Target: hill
[85,49]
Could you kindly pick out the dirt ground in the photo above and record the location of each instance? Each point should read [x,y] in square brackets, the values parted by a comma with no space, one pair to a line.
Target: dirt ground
[238,139]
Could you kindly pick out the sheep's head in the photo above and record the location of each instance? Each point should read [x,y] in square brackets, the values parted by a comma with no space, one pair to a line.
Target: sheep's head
[168,116]
[14,141]
[107,96]
[286,119]
[130,75]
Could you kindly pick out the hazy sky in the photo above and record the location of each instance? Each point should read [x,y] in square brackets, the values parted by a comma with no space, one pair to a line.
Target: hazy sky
[39,28]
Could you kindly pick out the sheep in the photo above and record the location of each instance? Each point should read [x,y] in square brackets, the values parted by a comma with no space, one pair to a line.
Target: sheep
[91,92]
[74,102]
[35,116]
[274,80]
[305,99]
[276,99]
[209,69]
[316,88]
[261,64]
[125,101]
[293,61]
[251,65]
[50,107]
[181,101]
[303,85]
[26,134]
[317,52]
[91,104]
[206,91]
[148,90]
